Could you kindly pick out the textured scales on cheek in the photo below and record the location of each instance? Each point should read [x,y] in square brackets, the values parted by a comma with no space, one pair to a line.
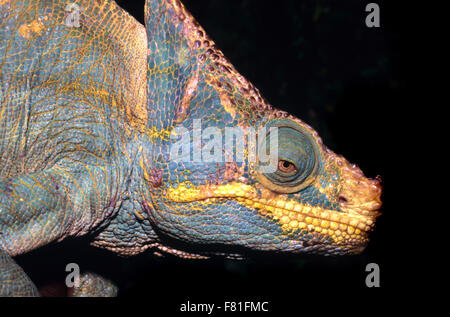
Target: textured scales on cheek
[33,28]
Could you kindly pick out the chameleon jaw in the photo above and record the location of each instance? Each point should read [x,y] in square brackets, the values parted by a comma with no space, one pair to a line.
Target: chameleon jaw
[342,227]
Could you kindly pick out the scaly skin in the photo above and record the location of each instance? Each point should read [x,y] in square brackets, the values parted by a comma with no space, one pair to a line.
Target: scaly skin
[89,116]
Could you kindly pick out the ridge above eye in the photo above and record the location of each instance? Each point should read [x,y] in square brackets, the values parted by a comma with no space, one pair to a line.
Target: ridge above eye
[297,160]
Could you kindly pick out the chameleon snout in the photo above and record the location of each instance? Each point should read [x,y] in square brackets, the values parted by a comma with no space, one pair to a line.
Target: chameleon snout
[359,194]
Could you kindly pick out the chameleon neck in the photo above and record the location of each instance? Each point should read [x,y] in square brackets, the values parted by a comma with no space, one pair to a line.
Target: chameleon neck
[130,231]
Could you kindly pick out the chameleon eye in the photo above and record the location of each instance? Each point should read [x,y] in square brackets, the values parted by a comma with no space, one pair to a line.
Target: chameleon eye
[297,160]
[286,166]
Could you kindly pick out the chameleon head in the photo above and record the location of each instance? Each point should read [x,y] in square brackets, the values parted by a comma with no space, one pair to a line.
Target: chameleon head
[312,201]
[221,191]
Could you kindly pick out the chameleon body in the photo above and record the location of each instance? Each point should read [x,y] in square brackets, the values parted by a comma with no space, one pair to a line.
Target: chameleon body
[92,105]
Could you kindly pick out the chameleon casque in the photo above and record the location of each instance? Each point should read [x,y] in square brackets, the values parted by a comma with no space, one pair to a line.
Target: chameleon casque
[89,104]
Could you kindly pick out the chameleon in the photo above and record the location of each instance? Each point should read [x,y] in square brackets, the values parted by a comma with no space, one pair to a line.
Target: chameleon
[95,109]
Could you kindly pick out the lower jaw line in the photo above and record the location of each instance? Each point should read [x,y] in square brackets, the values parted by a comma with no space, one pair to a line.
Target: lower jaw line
[290,214]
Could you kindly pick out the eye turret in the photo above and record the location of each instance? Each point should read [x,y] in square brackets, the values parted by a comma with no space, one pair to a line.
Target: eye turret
[297,160]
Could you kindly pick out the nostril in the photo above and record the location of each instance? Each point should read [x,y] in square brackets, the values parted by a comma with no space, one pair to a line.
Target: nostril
[342,200]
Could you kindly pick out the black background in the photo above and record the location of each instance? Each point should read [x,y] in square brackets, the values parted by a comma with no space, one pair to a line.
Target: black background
[319,61]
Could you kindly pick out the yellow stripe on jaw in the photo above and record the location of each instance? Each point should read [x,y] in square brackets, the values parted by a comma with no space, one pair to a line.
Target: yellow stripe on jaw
[341,227]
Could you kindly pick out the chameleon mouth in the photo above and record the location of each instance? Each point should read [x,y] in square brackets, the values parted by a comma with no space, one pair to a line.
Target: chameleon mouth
[344,227]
